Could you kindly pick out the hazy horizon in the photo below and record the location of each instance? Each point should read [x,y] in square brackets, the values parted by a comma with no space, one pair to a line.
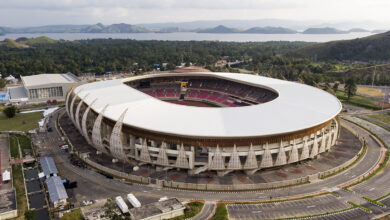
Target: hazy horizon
[290,13]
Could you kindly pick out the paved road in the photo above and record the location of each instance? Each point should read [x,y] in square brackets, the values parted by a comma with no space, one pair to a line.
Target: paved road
[206,212]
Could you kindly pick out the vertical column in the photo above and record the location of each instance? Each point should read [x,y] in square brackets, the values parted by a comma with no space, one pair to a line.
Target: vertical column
[96,132]
[234,162]
[78,112]
[305,149]
[162,158]
[322,147]
[84,123]
[251,161]
[314,149]
[281,158]
[116,145]
[294,154]
[181,160]
[145,156]
[266,161]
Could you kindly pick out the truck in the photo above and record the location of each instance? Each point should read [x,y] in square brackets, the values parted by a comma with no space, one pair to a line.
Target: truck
[133,200]
[121,204]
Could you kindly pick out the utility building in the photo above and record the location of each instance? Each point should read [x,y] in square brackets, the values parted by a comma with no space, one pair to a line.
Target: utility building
[48,87]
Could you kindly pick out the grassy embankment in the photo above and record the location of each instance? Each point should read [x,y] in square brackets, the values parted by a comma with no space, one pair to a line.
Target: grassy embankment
[75,214]
[360,101]
[385,118]
[21,122]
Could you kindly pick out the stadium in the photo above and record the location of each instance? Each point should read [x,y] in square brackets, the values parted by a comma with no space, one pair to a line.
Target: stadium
[205,121]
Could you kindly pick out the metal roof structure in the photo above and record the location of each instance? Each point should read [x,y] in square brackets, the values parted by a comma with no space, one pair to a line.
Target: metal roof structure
[18,93]
[48,165]
[297,107]
[56,189]
[48,78]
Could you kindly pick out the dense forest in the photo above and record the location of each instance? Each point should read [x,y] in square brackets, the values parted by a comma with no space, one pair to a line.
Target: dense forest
[289,60]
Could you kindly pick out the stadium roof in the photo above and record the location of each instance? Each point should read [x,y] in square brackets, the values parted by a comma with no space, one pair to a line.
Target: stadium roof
[48,78]
[297,107]
[48,166]
[56,189]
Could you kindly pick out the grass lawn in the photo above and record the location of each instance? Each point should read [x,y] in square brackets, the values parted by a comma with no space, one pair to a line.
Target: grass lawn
[17,177]
[14,146]
[16,123]
[368,91]
[194,209]
[360,101]
[75,214]
[385,118]
[25,143]
[220,213]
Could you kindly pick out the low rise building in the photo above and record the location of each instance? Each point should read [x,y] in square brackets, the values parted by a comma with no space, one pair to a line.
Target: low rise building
[57,192]
[166,209]
[48,87]
[48,166]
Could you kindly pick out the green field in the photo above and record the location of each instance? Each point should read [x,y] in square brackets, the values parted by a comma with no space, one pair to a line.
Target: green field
[18,181]
[220,213]
[361,101]
[385,118]
[21,122]
[75,214]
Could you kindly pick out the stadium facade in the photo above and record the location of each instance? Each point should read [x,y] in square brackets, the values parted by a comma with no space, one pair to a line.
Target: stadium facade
[205,121]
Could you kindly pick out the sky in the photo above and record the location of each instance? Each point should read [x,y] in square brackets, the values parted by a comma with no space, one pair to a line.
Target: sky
[23,13]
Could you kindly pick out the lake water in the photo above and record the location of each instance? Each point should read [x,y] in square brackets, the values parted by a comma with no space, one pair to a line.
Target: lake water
[187,36]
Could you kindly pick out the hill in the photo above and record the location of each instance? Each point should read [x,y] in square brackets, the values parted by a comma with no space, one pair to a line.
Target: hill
[326,30]
[12,44]
[220,29]
[269,30]
[114,28]
[38,40]
[358,30]
[371,48]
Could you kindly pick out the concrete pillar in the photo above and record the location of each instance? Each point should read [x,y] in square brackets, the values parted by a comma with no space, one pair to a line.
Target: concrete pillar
[71,107]
[234,162]
[329,141]
[116,144]
[181,160]
[145,156]
[266,161]
[133,149]
[322,147]
[251,161]
[294,157]
[314,149]
[281,158]
[78,112]
[67,105]
[96,132]
[84,123]
[305,150]
[162,158]
[217,163]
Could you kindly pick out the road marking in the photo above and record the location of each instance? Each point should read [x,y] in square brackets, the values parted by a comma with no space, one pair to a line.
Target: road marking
[371,189]
[310,206]
[256,211]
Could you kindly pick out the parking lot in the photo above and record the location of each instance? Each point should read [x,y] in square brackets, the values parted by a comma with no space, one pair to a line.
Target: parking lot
[317,205]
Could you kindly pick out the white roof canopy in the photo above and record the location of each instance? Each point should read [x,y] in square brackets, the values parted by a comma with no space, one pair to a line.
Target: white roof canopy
[297,107]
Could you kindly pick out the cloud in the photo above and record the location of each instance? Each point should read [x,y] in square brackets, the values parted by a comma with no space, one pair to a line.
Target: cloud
[41,12]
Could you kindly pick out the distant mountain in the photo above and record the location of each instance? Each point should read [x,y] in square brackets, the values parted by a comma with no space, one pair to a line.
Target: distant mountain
[2,31]
[96,28]
[114,28]
[326,30]
[220,29]
[374,47]
[269,30]
[358,30]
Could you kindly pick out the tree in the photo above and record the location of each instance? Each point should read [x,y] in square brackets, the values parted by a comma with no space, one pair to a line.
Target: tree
[350,88]
[10,111]
[3,82]
[29,215]
[335,87]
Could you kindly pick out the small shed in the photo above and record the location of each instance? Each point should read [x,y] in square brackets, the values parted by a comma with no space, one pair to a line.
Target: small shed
[57,192]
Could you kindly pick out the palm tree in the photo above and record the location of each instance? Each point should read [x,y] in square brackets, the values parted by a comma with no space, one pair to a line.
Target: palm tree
[350,88]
